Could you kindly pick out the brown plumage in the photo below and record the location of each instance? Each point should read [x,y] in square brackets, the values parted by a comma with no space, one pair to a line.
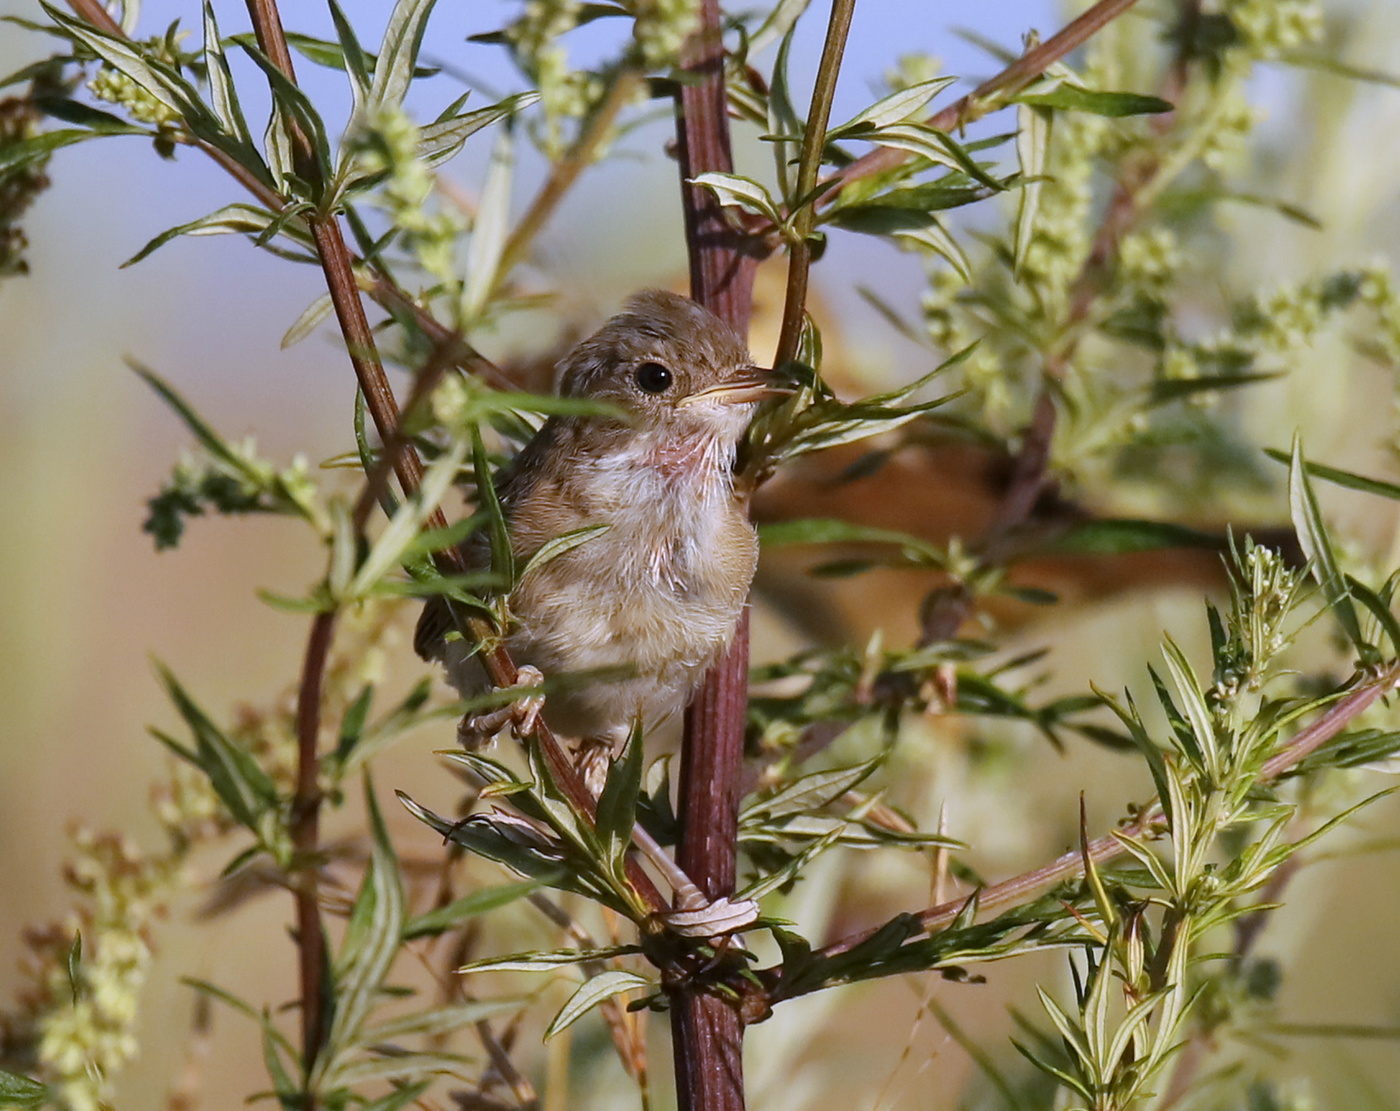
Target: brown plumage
[656,596]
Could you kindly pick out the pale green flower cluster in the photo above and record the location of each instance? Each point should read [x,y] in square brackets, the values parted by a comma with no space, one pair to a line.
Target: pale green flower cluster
[661,27]
[565,93]
[1232,120]
[1148,261]
[388,143]
[952,327]
[89,1035]
[1273,27]
[117,88]
[1377,291]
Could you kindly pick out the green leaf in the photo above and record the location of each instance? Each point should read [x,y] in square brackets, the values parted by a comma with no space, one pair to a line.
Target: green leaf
[809,792]
[827,530]
[617,805]
[1379,610]
[1033,127]
[352,56]
[741,192]
[20,1091]
[1342,478]
[396,1066]
[398,54]
[1113,537]
[238,218]
[502,556]
[221,87]
[1074,98]
[390,547]
[372,941]
[25,151]
[548,961]
[443,1020]
[440,140]
[594,991]
[1166,390]
[228,999]
[442,919]
[293,106]
[1317,546]
[237,778]
[308,321]
[777,24]
[794,867]
[566,542]
[399,1098]
[891,109]
[490,229]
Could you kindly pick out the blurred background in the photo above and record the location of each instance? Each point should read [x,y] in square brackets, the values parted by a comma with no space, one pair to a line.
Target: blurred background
[87,603]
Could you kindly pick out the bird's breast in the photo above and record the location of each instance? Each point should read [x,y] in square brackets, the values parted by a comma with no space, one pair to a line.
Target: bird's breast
[662,586]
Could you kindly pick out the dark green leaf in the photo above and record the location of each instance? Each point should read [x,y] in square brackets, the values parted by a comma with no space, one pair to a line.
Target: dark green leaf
[502,557]
[439,921]
[372,941]
[221,87]
[238,218]
[1113,537]
[240,782]
[20,1091]
[617,805]
[1176,389]
[1379,610]
[1072,98]
[1343,478]
[35,149]
[1317,546]
[352,55]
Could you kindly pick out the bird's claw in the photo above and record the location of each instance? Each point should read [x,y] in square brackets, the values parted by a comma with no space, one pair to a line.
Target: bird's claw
[476,731]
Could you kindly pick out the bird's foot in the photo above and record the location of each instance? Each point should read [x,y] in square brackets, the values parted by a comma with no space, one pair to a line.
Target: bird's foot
[476,731]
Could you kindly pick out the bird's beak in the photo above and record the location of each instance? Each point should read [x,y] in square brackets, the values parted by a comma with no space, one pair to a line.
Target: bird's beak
[755,385]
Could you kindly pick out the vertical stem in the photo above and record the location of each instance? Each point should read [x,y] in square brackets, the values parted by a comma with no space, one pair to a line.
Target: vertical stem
[305,830]
[809,165]
[706,1032]
[722,261]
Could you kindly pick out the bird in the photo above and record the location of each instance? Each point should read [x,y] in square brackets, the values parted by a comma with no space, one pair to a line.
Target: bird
[652,598]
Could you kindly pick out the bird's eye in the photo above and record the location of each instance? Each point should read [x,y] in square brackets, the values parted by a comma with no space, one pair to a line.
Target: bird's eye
[653,378]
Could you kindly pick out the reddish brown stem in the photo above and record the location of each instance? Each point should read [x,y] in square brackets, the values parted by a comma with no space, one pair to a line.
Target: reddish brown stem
[707,1033]
[722,259]
[305,831]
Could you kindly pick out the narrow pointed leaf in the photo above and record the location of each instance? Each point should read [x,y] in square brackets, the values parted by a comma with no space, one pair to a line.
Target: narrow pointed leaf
[594,991]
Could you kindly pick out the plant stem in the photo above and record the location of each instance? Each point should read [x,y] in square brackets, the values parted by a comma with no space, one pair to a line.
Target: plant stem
[305,831]
[809,165]
[722,260]
[707,1033]
[565,172]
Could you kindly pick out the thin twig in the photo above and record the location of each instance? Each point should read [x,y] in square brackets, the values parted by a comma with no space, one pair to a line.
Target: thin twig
[564,172]
[809,166]
[992,93]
